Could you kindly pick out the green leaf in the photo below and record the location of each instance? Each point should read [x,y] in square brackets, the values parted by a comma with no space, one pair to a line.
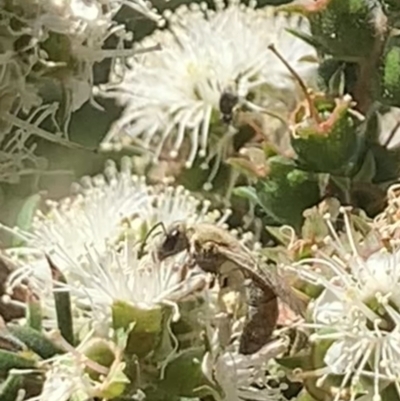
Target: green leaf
[348,29]
[391,77]
[34,313]
[390,393]
[11,360]
[302,361]
[64,315]
[25,216]
[337,82]
[368,169]
[10,388]
[287,191]
[62,301]
[35,341]
[183,375]
[115,383]
[311,40]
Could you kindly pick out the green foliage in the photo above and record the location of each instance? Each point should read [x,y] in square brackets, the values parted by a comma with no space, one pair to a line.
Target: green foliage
[183,376]
[330,145]
[346,29]
[390,74]
[286,192]
[9,389]
[36,341]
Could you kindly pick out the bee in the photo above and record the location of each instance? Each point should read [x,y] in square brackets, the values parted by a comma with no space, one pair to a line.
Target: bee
[228,103]
[215,250]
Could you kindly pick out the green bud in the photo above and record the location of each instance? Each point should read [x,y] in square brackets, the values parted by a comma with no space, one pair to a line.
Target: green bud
[100,351]
[145,326]
[106,354]
[325,135]
[26,215]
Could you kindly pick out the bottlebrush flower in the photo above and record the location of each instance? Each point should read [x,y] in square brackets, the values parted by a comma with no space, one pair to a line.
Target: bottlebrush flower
[86,237]
[105,208]
[357,313]
[171,97]
[242,377]
[120,276]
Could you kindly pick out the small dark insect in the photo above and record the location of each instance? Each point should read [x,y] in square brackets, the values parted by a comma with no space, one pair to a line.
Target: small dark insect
[210,247]
[227,103]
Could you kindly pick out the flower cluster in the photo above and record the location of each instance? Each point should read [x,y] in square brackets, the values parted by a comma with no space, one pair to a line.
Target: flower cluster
[275,275]
[89,249]
[355,319]
[171,98]
[101,224]
[49,47]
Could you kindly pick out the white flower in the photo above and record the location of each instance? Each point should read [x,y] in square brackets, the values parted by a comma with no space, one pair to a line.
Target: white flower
[86,24]
[86,237]
[65,378]
[67,375]
[103,210]
[173,95]
[388,222]
[172,204]
[145,283]
[92,217]
[358,311]
[62,383]
[242,377]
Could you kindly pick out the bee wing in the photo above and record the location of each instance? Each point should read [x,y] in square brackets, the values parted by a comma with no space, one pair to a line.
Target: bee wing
[268,280]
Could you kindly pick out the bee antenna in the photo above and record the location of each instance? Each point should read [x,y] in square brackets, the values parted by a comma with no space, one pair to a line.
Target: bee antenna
[159,224]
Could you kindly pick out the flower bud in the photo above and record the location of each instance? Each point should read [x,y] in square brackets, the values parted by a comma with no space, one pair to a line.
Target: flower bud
[325,136]
[106,354]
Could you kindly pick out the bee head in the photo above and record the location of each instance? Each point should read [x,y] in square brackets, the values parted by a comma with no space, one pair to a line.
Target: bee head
[174,241]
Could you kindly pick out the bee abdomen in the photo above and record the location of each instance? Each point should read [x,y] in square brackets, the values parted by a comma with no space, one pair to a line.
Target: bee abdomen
[260,322]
